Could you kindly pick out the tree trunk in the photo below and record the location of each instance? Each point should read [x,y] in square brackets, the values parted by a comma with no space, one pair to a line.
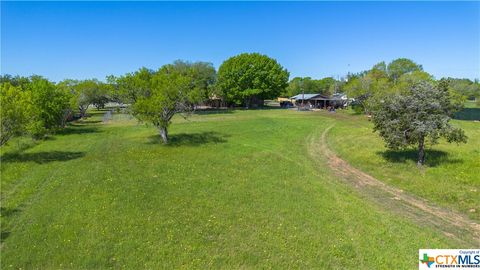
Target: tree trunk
[421,152]
[83,111]
[66,116]
[164,134]
[247,102]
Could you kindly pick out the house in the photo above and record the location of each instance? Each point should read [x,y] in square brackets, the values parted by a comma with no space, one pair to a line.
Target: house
[321,101]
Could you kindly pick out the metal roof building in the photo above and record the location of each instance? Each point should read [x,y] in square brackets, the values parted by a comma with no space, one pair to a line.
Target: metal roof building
[319,100]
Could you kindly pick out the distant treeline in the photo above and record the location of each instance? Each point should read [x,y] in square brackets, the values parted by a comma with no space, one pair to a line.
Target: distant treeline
[381,79]
[37,106]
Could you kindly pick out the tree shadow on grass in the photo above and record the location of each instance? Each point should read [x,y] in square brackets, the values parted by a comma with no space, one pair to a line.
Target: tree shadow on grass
[40,157]
[84,122]
[433,158]
[3,236]
[5,213]
[214,111]
[190,139]
[77,129]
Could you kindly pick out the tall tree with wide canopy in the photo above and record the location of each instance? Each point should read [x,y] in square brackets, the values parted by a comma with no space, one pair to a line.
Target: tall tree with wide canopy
[401,66]
[417,117]
[249,77]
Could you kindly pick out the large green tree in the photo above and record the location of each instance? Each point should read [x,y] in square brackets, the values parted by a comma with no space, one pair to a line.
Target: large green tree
[129,87]
[401,66]
[249,77]
[399,75]
[366,87]
[174,88]
[417,117]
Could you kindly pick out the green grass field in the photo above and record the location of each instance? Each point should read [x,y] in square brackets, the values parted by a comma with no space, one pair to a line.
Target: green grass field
[451,177]
[236,189]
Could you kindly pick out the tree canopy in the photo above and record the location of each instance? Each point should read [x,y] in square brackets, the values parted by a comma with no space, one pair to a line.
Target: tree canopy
[129,87]
[401,66]
[465,87]
[298,85]
[247,77]
[174,88]
[15,111]
[399,75]
[49,105]
[418,116]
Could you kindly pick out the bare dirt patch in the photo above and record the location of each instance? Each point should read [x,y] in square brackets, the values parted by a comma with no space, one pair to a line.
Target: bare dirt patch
[421,211]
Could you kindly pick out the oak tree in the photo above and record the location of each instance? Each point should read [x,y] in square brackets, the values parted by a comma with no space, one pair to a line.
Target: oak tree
[417,117]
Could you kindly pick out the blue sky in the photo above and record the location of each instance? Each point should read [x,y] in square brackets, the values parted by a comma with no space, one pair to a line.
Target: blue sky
[317,39]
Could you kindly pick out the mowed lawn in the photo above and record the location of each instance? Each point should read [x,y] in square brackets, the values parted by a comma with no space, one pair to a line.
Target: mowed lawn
[451,177]
[232,190]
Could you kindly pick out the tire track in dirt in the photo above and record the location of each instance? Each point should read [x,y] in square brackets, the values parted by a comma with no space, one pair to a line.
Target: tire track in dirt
[421,211]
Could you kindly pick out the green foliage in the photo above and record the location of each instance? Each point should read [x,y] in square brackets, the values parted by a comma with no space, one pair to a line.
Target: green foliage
[419,116]
[204,77]
[359,89]
[457,99]
[399,76]
[92,92]
[49,105]
[38,105]
[465,87]
[401,66]
[87,92]
[449,179]
[366,89]
[379,71]
[406,81]
[15,109]
[20,81]
[101,96]
[175,88]
[297,85]
[247,77]
[131,86]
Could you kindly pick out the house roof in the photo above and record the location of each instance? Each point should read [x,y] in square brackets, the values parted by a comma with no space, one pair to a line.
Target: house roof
[307,96]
